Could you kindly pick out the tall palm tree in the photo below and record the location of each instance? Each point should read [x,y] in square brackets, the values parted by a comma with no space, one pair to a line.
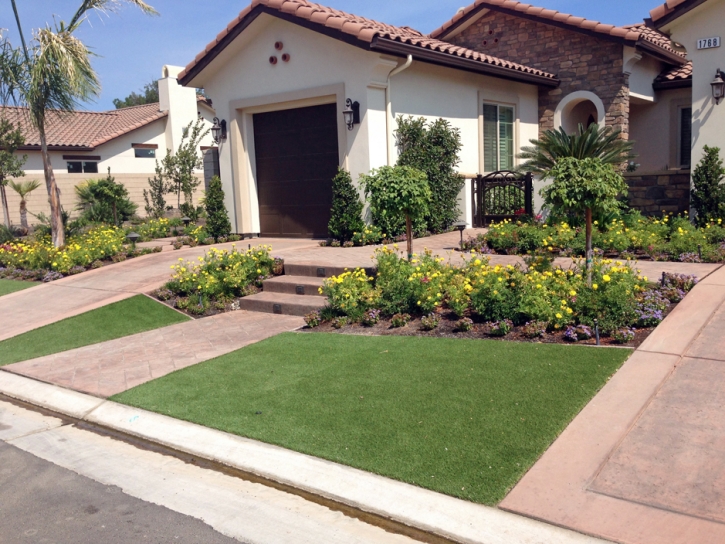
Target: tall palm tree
[53,75]
[24,188]
[594,142]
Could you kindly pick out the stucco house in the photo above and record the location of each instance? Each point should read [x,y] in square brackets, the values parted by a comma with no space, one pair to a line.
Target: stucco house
[696,26]
[281,75]
[84,144]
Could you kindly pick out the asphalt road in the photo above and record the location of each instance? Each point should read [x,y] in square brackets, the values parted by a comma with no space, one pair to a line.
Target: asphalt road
[43,503]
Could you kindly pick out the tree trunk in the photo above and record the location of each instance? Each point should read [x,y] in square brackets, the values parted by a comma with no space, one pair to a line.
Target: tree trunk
[589,252]
[56,215]
[409,236]
[115,214]
[24,214]
[6,210]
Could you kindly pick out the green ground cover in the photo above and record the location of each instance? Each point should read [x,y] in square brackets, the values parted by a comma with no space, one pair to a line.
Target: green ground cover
[11,286]
[131,316]
[464,417]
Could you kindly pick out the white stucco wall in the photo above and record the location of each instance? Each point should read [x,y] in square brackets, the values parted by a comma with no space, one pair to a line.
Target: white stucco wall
[708,119]
[642,73]
[242,81]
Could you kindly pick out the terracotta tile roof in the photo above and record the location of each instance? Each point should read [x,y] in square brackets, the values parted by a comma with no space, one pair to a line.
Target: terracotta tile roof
[83,129]
[679,76]
[361,31]
[672,9]
[632,35]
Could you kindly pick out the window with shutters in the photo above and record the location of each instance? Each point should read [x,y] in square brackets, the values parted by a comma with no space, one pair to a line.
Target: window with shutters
[498,137]
[684,145]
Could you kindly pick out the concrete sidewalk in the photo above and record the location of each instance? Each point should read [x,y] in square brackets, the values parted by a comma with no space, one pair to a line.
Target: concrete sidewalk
[644,462]
[362,494]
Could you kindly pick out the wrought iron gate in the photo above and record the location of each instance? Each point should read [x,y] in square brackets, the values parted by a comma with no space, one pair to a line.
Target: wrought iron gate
[501,195]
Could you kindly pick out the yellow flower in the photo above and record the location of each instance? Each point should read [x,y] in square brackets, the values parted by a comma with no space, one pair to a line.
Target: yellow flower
[559,316]
[606,278]
[572,293]
[595,286]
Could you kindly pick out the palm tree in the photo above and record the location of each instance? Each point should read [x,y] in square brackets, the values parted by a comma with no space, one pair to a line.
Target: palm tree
[24,188]
[53,75]
[594,142]
[11,165]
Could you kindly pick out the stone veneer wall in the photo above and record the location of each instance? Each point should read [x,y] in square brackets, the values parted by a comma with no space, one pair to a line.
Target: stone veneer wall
[655,192]
[582,62]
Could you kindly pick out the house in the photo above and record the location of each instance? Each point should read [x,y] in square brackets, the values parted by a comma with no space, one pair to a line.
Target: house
[629,78]
[696,26]
[282,74]
[129,141]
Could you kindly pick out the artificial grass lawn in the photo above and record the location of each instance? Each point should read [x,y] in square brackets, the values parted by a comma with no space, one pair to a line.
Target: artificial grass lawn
[11,286]
[463,417]
[129,316]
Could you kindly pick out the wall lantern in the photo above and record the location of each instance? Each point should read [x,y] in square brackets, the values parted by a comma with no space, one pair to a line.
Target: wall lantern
[351,113]
[718,87]
[219,130]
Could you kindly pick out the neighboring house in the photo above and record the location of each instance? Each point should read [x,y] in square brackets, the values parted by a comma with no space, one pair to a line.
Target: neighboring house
[84,144]
[697,26]
[630,78]
[281,74]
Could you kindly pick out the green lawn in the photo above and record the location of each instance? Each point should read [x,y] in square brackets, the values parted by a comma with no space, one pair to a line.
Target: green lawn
[11,286]
[130,316]
[463,417]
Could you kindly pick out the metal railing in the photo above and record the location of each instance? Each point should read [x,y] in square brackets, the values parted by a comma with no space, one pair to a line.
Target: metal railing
[501,195]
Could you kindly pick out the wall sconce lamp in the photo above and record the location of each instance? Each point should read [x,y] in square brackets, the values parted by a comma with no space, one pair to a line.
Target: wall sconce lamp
[718,87]
[351,113]
[219,130]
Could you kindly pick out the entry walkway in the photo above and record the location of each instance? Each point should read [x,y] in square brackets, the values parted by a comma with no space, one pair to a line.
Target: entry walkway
[644,462]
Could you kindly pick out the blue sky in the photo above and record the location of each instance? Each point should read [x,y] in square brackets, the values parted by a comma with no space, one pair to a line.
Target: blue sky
[132,48]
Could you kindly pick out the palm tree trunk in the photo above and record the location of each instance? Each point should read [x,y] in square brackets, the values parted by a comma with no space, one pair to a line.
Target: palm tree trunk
[6,210]
[409,236]
[590,253]
[24,213]
[56,216]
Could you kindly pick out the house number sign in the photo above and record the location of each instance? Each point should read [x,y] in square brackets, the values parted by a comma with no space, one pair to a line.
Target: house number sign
[708,43]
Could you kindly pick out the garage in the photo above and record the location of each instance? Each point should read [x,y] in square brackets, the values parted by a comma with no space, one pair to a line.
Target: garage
[296,158]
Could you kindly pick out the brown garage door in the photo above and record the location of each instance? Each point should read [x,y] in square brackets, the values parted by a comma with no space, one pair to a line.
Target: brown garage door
[297,157]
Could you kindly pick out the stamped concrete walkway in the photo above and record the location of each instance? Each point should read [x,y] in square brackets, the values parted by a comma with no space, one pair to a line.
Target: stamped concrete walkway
[644,462]
[112,367]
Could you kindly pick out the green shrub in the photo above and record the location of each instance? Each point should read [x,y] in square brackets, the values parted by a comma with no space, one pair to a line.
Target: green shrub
[104,201]
[346,213]
[434,150]
[350,293]
[708,192]
[217,218]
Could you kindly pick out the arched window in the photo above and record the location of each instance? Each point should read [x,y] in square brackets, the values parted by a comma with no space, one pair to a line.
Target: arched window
[580,107]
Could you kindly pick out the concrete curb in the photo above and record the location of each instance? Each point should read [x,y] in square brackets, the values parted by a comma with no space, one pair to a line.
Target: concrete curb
[432,513]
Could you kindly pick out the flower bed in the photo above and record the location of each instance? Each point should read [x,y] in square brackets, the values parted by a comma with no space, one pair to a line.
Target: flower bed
[153,229]
[39,260]
[501,301]
[666,239]
[370,236]
[215,283]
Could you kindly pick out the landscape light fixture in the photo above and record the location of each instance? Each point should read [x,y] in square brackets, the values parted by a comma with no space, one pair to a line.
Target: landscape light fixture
[718,86]
[460,226]
[219,131]
[186,221]
[351,113]
[133,238]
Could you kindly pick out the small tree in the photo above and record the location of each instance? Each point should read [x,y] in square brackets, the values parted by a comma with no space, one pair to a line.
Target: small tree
[104,201]
[217,218]
[148,95]
[708,193]
[10,164]
[433,149]
[584,187]
[154,196]
[179,167]
[399,191]
[24,188]
[346,214]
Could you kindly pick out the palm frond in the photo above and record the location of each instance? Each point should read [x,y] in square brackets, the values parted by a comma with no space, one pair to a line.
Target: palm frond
[107,6]
[24,188]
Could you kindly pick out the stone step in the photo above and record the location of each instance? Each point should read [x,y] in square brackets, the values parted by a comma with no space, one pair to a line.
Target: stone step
[294,285]
[280,303]
[315,270]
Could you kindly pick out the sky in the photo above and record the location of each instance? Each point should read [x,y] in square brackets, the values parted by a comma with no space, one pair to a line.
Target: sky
[132,48]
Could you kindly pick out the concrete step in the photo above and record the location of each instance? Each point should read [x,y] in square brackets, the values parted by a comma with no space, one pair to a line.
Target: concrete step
[280,303]
[294,285]
[315,270]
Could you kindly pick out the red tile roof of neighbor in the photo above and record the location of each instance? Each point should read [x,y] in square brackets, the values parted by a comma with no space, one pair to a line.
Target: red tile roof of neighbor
[632,35]
[83,130]
[367,34]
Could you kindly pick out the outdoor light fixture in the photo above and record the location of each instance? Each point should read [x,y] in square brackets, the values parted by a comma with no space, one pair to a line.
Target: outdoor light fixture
[133,238]
[351,113]
[219,130]
[460,226]
[186,221]
[718,86]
